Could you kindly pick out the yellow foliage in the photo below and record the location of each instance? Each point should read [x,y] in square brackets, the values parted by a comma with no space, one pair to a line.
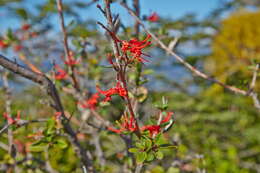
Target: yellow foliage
[234,47]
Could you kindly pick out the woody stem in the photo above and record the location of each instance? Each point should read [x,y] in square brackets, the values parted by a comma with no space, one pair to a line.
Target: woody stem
[129,104]
[66,45]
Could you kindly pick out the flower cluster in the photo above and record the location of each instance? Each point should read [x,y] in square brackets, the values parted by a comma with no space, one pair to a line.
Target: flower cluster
[11,120]
[71,61]
[153,17]
[60,73]
[22,34]
[3,44]
[92,102]
[129,125]
[118,89]
[134,47]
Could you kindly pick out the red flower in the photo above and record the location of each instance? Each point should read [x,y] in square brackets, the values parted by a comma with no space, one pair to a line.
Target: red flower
[127,125]
[92,102]
[60,73]
[115,90]
[135,47]
[153,129]
[33,34]
[25,27]
[57,115]
[11,120]
[153,17]
[3,44]
[167,118]
[71,62]
[17,48]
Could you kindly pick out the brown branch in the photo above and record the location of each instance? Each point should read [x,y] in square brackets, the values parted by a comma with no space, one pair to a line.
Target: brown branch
[53,93]
[8,101]
[189,66]
[111,28]
[21,123]
[66,45]
[136,6]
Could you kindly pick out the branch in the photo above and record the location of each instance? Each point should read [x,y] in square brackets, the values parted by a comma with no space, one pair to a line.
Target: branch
[252,86]
[136,6]
[189,66]
[66,45]
[44,81]
[21,123]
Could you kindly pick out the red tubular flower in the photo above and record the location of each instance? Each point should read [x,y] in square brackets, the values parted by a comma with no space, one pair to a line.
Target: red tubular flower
[91,103]
[135,47]
[114,130]
[25,27]
[60,73]
[17,48]
[11,120]
[33,34]
[115,90]
[127,125]
[57,115]
[3,44]
[71,62]
[153,129]
[167,118]
[153,17]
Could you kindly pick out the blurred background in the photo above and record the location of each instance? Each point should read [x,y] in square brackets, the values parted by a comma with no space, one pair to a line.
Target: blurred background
[215,130]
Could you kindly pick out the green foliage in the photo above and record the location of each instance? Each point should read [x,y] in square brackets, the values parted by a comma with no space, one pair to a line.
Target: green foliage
[235,48]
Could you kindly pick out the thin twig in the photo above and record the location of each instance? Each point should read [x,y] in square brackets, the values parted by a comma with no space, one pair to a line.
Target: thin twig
[111,28]
[21,123]
[189,66]
[136,6]
[8,108]
[253,82]
[66,45]
[138,168]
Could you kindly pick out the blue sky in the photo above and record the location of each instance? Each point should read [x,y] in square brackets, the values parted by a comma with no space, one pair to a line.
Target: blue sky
[165,8]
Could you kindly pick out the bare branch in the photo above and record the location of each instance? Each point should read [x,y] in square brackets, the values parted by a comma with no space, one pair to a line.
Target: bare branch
[136,6]
[66,45]
[21,123]
[252,85]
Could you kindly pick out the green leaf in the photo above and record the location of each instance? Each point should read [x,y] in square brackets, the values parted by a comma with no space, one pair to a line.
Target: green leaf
[140,157]
[159,140]
[133,150]
[167,146]
[148,143]
[38,147]
[173,170]
[22,13]
[140,145]
[61,143]
[150,156]
[159,155]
